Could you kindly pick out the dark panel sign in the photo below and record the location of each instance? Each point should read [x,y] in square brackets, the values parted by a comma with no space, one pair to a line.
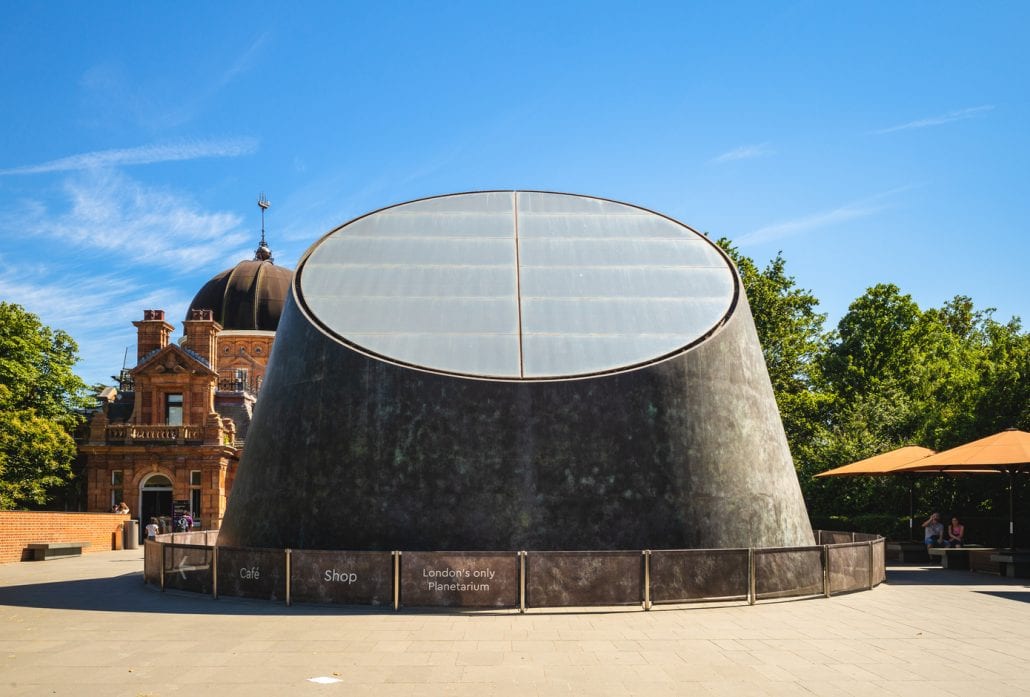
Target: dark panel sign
[252,573]
[679,575]
[188,568]
[787,572]
[459,579]
[555,579]
[348,578]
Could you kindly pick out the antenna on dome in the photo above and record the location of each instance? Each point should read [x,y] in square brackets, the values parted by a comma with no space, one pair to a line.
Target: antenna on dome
[263,253]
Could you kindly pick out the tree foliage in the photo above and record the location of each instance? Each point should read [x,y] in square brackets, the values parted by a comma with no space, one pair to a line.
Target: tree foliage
[40,404]
[889,374]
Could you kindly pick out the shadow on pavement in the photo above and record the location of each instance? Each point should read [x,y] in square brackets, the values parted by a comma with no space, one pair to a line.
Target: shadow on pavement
[126,593]
[1021,596]
[936,576]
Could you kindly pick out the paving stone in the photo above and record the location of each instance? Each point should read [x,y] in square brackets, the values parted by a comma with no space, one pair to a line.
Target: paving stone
[86,627]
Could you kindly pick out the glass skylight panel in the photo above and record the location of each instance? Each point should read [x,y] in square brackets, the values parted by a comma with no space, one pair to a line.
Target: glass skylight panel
[517,285]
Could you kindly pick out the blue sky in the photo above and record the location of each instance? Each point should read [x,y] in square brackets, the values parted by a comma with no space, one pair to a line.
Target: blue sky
[870,142]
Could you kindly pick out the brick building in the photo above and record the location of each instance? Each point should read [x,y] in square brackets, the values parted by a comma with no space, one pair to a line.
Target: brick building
[170,437]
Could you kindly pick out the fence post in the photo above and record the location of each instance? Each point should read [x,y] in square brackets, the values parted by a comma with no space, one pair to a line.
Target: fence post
[751,576]
[162,565]
[826,571]
[647,579]
[522,582]
[289,572]
[214,573]
[870,544]
[396,580]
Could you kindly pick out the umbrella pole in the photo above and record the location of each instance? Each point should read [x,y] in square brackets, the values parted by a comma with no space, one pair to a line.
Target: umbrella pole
[1012,525]
[911,508]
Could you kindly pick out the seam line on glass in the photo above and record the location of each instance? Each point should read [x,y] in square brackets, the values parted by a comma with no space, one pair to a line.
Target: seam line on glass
[518,276]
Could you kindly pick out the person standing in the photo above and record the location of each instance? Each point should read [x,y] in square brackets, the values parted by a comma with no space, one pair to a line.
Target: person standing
[185,522]
[152,529]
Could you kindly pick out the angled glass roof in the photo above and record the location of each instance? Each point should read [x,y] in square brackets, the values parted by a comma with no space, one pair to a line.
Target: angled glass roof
[517,285]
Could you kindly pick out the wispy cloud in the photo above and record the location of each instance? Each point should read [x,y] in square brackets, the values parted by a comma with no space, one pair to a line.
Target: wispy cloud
[951,116]
[99,320]
[744,152]
[142,155]
[121,246]
[115,94]
[850,211]
[131,224]
[243,63]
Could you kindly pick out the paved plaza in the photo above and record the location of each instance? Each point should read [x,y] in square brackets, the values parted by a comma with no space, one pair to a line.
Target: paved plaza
[88,626]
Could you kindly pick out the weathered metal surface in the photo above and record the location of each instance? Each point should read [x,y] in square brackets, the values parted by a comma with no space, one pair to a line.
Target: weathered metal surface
[561,579]
[849,567]
[879,561]
[348,451]
[698,574]
[466,579]
[188,568]
[346,578]
[252,573]
[153,559]
[788,572]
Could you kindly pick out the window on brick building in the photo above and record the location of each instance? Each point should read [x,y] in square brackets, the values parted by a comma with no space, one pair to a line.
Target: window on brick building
[195,492]
[173,409]
[117,491]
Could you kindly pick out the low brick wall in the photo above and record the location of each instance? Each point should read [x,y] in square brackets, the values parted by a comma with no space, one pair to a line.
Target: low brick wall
[103,531]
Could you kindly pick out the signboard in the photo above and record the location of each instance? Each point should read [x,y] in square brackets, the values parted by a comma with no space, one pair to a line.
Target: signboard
[459,579]
[349,578]
[252,573]
[188,568]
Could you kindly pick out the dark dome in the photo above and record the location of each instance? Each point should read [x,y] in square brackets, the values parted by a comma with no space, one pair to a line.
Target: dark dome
[250,295]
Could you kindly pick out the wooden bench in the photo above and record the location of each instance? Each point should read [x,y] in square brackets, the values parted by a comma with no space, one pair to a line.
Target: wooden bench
[1014,564]
[966,558]
[41,551]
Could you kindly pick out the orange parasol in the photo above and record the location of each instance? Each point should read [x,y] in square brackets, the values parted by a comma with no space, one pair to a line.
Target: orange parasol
[886,463]
[1007,452]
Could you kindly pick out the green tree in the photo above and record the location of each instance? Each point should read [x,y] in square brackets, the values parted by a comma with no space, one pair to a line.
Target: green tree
[873,342]
[40,404]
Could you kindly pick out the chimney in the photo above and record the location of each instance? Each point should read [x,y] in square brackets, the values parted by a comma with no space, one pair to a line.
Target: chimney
[152,333]
[201,329]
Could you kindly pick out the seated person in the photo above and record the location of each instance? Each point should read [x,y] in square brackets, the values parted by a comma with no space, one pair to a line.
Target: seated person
[956,531]
[933,531]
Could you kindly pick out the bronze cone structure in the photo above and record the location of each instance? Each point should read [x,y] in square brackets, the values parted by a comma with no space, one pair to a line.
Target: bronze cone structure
[516,370]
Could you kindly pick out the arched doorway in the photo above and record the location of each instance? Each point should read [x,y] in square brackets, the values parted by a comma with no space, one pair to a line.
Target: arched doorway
[155,501]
